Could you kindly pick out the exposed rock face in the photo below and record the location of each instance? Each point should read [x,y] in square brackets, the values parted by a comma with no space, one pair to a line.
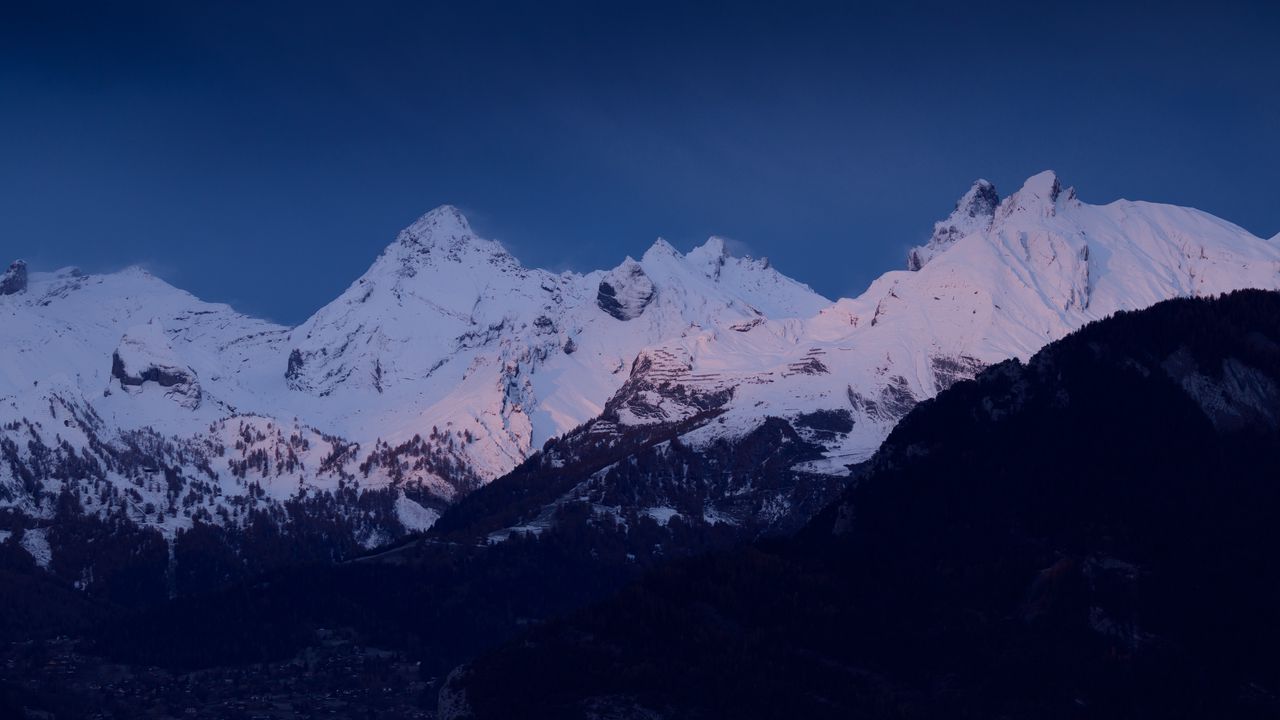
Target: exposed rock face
[161,375]
[1234,396]
[294,370]
[145,356]
[974,212]
[948,370]
[894,401]
[14,280]
[626,291]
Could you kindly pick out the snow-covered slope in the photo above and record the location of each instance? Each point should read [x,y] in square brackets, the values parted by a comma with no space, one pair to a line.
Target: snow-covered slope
[998,279]
[448,330]
[65,330]
[447,363]
[444,365]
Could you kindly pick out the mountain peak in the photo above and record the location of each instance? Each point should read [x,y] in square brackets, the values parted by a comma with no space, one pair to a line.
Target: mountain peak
[710,256]
[442,235]
[714,246]
[974,211]
[14,280]
[981,199]
[1043,185]
[1039,194]
[443,223]
[660,248]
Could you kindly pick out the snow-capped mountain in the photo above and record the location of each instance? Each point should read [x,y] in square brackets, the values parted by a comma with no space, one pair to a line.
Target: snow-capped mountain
[443,366]
[1056,513]
[998,279]
[448,363]
[449,330]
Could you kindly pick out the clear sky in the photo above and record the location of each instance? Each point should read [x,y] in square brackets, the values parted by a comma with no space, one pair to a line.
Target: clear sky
[262,153]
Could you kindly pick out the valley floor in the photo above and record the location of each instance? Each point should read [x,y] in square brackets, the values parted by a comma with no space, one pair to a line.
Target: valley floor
[336,678]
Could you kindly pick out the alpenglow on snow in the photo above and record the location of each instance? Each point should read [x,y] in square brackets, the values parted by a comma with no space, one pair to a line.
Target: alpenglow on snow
[448,363]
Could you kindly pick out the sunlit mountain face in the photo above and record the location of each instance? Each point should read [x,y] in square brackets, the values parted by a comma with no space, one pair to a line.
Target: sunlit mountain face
[714,384]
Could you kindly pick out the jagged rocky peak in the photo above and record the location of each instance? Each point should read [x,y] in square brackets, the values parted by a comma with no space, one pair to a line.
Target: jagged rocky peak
[143,356]
[14,280]
[293,370]
[974,212]
[626,290]
[980,202]
[1040,194]
[710,257]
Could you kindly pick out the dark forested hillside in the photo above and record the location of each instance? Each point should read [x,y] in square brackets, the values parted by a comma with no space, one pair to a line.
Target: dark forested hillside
[1087,535]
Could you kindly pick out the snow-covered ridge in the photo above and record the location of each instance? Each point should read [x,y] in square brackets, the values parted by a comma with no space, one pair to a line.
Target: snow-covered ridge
[448,362]
[444,363]
[999,279]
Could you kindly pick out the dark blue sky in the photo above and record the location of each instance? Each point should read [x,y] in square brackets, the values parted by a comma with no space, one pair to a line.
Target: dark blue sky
[264,154]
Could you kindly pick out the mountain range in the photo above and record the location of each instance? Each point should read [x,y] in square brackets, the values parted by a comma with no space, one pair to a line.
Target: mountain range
[1083,535]
[448,365]
[1027,475]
